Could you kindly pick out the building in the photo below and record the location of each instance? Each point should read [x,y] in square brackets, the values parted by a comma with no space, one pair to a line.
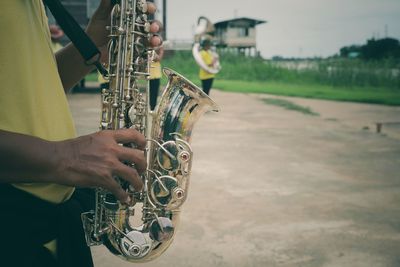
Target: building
[238,34]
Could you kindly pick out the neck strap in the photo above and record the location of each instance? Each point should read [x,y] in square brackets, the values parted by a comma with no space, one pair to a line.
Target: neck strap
[78,37]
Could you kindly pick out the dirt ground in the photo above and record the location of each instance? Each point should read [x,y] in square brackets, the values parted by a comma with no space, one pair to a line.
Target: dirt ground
[276,187]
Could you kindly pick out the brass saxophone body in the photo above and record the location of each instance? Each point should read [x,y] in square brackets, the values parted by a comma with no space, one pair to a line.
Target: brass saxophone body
[144,229]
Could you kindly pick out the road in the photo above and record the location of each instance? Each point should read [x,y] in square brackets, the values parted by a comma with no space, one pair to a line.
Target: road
[276,187]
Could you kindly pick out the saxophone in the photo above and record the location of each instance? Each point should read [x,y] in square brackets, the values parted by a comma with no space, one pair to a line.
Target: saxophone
[144,229]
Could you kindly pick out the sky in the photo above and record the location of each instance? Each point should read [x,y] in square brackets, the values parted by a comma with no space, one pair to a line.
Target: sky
[294,28]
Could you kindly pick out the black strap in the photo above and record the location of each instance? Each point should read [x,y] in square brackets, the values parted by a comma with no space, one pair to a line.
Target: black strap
[78,37]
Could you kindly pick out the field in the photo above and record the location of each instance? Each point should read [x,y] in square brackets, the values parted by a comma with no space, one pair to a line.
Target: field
[335,79]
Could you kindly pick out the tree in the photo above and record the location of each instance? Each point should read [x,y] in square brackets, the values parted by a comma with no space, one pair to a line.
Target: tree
[348,51]
[382,48]
[373,49]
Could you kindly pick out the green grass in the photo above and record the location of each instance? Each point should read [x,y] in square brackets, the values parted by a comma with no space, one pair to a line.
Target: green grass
[356,94]
[91,77]
[289,105]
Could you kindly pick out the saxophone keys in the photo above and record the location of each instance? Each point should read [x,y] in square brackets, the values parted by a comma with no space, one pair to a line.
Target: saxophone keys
[135,244]
[161,229]
[110,202]
[166,156]
[184,156]
[91,237]
[178,193]
[121,30]
[146,26]
[142,6]
[162,189]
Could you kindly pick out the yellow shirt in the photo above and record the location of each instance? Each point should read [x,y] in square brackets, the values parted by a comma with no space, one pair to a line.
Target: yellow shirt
[32,98]
[55,46]
[155,70]
[100,78]
[208,58]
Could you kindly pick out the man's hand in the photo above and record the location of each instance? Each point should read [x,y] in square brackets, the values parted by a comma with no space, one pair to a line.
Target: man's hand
[101,19]
[94,160]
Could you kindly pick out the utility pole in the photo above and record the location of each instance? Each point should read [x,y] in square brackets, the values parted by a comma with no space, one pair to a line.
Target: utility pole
[386,31]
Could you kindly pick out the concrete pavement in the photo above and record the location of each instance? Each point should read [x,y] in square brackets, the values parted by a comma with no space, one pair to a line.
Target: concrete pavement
[275,187]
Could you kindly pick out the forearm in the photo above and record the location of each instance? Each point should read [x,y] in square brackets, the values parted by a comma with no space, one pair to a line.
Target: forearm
[71,66]
[26,158]
[87,161]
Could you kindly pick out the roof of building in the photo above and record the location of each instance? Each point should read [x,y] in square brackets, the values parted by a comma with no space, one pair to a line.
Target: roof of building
[239,21]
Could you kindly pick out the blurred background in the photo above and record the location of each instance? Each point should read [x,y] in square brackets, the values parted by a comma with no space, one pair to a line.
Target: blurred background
[292,29]
[308,48]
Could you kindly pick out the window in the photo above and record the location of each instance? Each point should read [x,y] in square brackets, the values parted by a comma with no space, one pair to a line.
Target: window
[243,32]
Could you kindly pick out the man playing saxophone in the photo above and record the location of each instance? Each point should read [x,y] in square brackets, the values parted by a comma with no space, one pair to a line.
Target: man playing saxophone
[42,160]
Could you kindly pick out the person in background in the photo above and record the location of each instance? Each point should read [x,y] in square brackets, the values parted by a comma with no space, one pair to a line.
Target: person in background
[56,34]
[43,162]
[155,76]
[207,78]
